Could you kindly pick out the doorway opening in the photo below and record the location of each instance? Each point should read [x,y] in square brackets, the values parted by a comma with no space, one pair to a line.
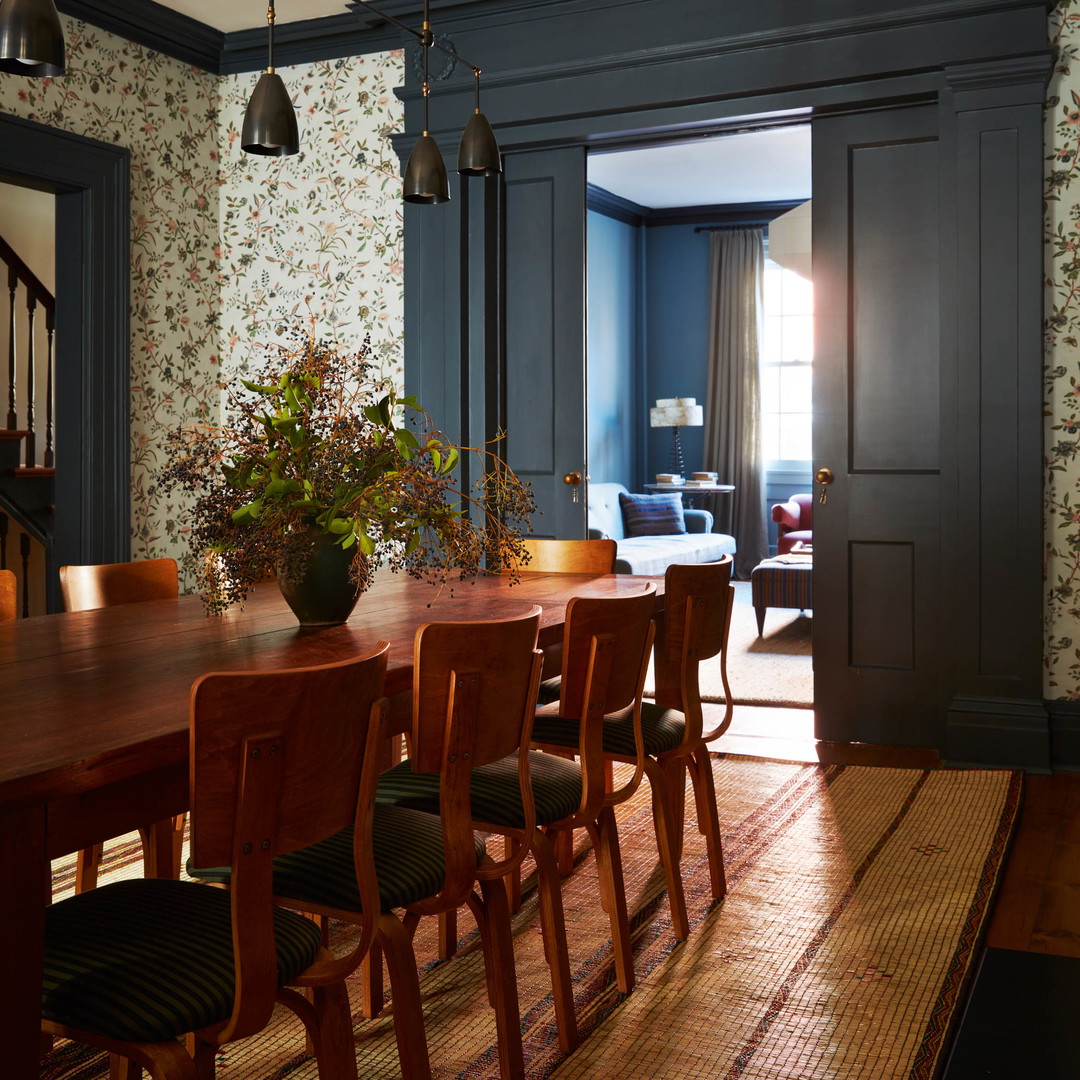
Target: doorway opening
[651,305]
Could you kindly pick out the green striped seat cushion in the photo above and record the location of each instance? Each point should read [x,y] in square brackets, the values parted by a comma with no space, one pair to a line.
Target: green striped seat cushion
[661,730]
[549,691]
[409,863]
[147,960]
[496,798]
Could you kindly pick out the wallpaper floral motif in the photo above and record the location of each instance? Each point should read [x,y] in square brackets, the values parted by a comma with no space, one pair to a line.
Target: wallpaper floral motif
[224,246]
[1062,368]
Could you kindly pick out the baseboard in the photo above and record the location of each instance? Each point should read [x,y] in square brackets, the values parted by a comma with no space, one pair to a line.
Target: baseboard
[998,731]
[1064,734]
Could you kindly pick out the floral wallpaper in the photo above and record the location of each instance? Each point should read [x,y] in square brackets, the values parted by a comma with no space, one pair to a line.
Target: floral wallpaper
[224,246]
[1062,367]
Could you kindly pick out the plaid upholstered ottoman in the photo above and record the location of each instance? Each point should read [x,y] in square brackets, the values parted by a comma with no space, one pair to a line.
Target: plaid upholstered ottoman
[782,582]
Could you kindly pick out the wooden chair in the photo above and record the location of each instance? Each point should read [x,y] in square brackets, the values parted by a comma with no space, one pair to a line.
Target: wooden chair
[606,646]
[570,556]
[565,557]
[85,588]
[8,596]
[473,690]
[276,766]
[698,601]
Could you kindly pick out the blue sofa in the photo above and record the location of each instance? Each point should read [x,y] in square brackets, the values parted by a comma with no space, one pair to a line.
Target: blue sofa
[653,554]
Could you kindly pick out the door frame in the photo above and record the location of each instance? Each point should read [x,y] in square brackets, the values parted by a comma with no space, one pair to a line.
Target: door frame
[91,181]
[654,71]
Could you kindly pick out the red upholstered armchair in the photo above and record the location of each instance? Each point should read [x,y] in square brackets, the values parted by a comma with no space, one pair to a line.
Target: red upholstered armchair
[794,522]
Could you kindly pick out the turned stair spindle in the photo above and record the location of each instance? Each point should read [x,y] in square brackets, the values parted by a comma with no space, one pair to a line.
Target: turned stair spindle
[13,282]
[24,551]
[4,523]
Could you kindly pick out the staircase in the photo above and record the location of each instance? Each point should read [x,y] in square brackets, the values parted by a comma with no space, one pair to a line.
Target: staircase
[27,477]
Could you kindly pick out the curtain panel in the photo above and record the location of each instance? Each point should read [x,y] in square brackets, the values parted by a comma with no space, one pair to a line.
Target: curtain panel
[733,400]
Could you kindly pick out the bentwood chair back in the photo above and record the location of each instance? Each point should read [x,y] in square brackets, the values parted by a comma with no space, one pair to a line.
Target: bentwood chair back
[570,556]
[87,587]
[276,764]
[473,692]
[8,596]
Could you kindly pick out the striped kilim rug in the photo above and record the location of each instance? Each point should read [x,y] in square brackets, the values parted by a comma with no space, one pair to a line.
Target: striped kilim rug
[856,898]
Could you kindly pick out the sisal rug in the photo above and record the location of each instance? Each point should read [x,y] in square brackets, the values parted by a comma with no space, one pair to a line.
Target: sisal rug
[774,669]
[856,897]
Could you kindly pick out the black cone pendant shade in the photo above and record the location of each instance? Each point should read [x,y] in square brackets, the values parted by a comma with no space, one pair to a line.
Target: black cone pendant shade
[478,154]
[425,174]
[270,121]
[31,38]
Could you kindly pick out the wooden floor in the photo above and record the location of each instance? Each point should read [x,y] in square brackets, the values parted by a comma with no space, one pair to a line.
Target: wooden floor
[1038,905]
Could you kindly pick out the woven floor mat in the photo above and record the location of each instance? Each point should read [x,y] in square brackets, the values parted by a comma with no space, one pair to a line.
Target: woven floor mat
[855,899]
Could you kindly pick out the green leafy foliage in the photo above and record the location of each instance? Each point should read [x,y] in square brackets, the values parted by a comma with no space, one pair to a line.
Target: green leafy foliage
[313,442]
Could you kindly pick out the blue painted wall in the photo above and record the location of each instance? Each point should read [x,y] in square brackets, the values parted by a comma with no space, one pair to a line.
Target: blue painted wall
[615,316]
[676,296]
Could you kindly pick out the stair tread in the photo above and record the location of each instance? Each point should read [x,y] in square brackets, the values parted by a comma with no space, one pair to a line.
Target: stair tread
[13,433]
[33,470]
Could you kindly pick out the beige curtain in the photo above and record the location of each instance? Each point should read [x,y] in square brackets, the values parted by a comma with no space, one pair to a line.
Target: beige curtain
[733,403]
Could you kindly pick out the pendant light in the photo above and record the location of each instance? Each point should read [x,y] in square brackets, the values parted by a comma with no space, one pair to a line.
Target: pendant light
[31,38]
[478,153]
[425,175]
[270,121]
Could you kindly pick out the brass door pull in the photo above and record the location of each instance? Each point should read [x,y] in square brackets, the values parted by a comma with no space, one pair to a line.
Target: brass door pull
[573,479]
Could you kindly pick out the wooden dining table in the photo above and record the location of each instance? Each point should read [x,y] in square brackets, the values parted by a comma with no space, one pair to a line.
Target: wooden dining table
[94,722]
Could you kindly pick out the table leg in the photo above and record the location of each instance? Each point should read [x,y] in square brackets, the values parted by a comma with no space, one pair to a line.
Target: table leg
[24,871]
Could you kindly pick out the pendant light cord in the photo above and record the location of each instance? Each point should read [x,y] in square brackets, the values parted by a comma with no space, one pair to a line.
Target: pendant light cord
[425,43]
[270,44]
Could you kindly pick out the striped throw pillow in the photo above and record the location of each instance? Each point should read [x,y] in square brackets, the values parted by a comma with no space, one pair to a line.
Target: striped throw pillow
[652,515]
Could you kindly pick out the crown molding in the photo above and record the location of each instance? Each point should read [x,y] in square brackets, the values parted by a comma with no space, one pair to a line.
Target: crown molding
[155,26]
[615,206]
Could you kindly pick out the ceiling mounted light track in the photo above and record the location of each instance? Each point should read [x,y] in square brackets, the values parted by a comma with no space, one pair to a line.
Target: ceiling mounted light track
[478,154]
[270,120]
[31,38]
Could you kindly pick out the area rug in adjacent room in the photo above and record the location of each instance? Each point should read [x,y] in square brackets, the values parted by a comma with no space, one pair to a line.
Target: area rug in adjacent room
[856,897]
[775,668]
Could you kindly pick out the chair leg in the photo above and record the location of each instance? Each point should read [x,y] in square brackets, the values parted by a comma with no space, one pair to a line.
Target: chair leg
[553,928]
[405,986]
[122,1068]
[668,841]
[159,850]
[335,1049]
[502,980]
[87,863]
[371,983]
[513,881]
[448,934]
[708,820]
[605,836]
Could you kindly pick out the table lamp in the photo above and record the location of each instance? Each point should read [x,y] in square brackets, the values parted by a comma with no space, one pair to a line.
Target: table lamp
[676,413]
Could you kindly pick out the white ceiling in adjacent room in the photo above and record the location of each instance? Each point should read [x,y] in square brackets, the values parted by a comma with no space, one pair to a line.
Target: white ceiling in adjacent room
[754,166]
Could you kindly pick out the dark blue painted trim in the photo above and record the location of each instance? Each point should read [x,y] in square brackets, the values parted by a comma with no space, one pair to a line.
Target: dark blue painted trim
[615,206]
[745,214]
[155,26]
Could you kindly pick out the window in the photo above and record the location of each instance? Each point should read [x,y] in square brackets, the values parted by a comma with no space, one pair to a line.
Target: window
[787,356]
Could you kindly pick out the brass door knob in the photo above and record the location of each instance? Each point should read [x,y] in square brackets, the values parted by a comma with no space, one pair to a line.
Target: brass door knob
[824,476]
[572,478]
